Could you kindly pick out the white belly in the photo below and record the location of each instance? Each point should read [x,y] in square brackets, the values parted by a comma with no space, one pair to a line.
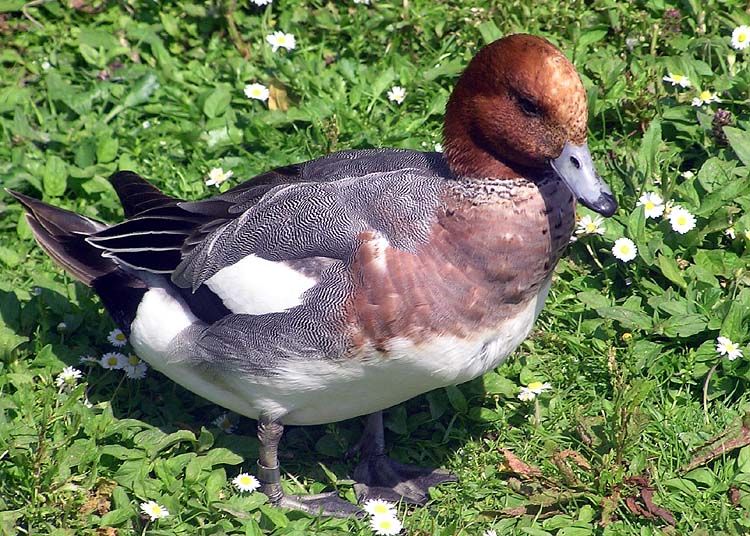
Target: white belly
[322,391]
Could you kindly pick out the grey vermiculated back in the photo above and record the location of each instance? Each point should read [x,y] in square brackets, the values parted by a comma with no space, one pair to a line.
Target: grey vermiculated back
[392,192]
[313,209]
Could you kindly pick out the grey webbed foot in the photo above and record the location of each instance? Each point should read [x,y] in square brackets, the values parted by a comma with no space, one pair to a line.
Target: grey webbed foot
[379,477]
[325,504]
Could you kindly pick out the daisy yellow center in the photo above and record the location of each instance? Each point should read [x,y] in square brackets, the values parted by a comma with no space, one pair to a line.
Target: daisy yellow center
[156,510]
[730,347]
[742,37]
[133,360]
[705,95]
[120,337]
[650,205]
[590,227]
[112,361]
[282,39]
[535,385]
[678,78]
[380,509]
[256,92]
[246,480]
[385,523]
[681,220]
[624,249]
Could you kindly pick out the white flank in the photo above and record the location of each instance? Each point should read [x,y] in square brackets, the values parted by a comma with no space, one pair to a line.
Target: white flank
[323,391]
[316,392]
[257,286]
[161,315]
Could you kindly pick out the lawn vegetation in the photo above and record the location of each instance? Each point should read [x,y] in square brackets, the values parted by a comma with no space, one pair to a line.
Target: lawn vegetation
[645,426]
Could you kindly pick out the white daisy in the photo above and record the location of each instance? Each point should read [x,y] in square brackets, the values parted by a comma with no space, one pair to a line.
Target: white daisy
[113,360]
[438,147]
[489,532]
[154,510]
[88,359]
[681,219]
[256,91]
[62,327]
[261,2]
[224,423]
[385,524]
[531,391]
[245,482]
[726,347]
[146,124]
[69,376]
[379,507]
[117,338]
[624,249]
[731,233]
[365,2]
[47,65]
[134,368]
[705,97]
[217,175]
[741,37]
[396,94]
[677,79]
[279,40]
[588,225]
[652,203]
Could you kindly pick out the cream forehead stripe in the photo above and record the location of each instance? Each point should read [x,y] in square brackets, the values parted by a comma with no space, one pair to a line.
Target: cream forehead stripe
[566,91]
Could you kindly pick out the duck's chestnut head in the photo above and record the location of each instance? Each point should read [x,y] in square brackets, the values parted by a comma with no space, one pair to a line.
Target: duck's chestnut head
[519,108]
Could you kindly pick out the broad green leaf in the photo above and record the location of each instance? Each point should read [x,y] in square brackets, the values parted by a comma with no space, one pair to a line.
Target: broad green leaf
[106,149]
[489,31]
[627,317]
[682,326]
[217,102]
[671,271]
[495,384]
[55,176]
[739,140]
[649,148]
[457,399]
[142,90]
[637,226]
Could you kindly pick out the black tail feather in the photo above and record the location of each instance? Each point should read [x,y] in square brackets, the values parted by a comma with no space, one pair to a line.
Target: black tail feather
[62,234]
[138,195]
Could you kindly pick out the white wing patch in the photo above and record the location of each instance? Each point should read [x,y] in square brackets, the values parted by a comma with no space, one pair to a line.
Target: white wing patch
[257,286]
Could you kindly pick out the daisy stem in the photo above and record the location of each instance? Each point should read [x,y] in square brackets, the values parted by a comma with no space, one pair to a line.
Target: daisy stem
[234,34]
[593,256]
[537,413]
[705,391]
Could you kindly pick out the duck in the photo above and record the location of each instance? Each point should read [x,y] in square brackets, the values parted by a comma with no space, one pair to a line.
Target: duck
[342,286]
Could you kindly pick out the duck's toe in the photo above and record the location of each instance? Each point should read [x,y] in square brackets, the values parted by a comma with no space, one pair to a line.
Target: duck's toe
[379,477]
[323,504]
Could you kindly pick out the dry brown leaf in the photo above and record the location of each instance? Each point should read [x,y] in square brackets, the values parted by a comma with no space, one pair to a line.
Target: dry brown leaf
[277,97]
[519,467]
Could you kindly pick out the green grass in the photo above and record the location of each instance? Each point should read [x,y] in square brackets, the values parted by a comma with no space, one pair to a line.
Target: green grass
[628,348]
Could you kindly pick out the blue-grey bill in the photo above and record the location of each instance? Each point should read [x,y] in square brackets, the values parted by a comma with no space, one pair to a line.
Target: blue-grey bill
[576,168]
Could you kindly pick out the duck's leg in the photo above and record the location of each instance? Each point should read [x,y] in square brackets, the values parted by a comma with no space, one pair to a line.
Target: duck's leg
[328,504]
[379,477]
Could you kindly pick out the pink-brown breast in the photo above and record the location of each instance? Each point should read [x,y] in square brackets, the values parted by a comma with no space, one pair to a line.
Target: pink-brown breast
[492,245]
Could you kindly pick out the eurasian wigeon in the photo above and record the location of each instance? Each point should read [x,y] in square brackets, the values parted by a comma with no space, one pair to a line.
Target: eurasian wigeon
[345,285]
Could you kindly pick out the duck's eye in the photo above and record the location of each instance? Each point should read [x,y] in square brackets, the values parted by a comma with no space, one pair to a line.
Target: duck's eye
[529,107]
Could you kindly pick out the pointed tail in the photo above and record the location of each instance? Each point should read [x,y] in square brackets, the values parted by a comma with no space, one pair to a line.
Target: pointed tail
[62,234]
